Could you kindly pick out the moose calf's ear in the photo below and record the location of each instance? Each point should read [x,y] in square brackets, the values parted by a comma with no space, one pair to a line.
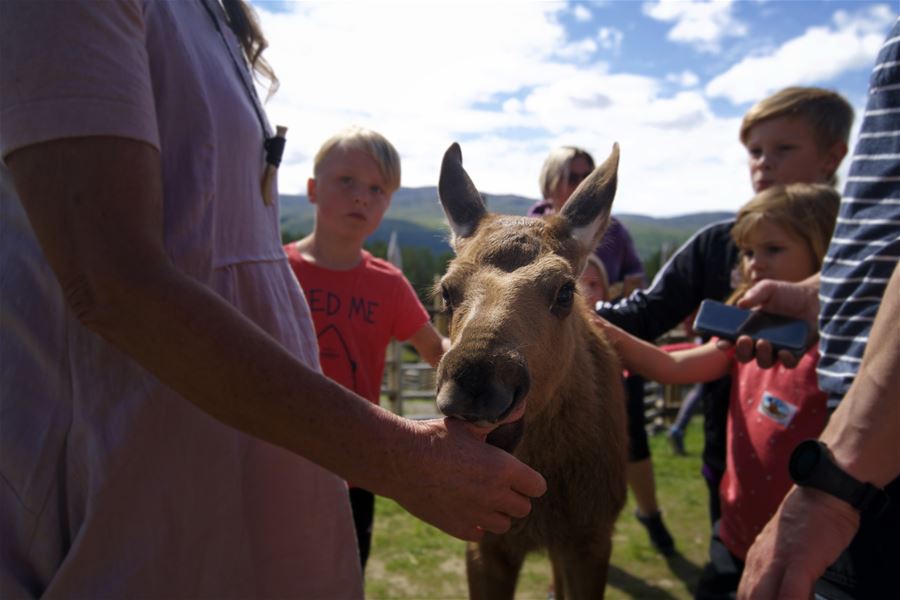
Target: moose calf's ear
[587,211]
[459,198]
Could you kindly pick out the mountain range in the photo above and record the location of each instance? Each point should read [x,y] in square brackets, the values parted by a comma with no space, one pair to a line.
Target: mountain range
[418,220]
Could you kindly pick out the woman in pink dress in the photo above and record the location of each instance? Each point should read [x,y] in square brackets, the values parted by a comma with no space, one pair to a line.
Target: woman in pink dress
[165,430]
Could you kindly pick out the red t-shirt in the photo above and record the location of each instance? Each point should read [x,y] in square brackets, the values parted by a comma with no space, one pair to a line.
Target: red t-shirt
[356,313]
[770,412]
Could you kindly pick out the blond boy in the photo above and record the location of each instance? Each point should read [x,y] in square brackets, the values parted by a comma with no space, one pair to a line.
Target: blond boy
[358,302]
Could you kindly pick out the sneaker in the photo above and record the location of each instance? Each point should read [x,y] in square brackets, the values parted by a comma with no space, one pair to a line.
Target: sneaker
[659,535]
[676,441]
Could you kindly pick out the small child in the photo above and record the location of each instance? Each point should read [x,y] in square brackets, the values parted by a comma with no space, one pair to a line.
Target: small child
[358,302]
[782,234]
[593,282]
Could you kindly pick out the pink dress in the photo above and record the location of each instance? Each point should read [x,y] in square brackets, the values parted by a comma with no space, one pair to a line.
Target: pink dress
[112,486]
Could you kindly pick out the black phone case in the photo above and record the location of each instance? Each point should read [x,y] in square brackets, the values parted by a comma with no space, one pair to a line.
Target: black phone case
[730,322]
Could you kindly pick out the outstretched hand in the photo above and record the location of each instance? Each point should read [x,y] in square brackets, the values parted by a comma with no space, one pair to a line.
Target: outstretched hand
[797,300]
[456,482]
[807,534]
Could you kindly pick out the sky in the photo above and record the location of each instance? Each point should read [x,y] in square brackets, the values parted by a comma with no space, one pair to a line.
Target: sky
[510,80]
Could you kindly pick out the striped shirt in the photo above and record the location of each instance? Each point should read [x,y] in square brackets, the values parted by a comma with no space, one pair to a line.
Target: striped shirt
[865,246]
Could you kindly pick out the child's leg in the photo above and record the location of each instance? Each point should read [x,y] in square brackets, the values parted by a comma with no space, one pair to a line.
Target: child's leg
[640,469]
[722,574]
[686,411]
[362,502]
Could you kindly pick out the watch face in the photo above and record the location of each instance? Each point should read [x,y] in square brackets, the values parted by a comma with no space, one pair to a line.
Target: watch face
[804,460]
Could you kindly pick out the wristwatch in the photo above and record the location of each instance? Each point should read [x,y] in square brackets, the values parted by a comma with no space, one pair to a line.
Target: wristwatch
[812,466]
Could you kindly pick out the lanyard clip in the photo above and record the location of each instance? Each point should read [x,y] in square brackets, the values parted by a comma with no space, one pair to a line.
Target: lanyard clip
[274,147]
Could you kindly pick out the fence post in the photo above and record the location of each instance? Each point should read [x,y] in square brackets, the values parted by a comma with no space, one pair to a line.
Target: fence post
[395,379]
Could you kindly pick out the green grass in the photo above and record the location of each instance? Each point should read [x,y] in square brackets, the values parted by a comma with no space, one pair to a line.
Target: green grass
[410,559]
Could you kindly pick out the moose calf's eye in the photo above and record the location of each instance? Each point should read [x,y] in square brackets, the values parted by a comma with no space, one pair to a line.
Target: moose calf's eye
[564,299]
[445,296]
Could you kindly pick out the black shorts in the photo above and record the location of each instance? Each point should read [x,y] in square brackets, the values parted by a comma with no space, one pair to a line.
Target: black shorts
[638,448]
[362,502]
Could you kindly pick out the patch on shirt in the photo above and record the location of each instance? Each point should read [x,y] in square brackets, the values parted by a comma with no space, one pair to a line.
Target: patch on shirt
[777,409]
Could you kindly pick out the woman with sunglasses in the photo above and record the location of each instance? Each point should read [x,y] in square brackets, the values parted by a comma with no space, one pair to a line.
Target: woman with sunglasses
[564,169]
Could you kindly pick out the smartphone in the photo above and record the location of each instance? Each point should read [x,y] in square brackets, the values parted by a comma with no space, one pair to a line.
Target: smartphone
[729,322]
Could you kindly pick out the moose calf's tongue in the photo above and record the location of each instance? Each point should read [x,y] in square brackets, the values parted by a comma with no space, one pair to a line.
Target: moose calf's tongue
[507,434]
[507,437]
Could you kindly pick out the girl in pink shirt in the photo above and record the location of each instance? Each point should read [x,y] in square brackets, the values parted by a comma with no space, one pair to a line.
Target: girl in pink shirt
[782,234]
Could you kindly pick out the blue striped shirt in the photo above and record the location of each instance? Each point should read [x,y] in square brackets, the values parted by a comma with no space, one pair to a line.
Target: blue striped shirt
[865,246]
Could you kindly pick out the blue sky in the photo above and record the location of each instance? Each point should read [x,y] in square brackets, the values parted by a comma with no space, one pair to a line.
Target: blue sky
[510,80]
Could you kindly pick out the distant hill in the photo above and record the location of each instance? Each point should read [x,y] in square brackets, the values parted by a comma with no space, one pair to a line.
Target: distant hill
[416,216]
[652,234]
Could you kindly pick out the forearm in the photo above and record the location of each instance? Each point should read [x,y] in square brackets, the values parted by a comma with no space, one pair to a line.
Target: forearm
[216,358]
[863,432]
[644,358]
[95,205]
[430,344]
[96,208]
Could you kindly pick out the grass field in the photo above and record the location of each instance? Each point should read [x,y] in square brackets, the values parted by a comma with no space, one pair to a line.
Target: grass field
[410,559]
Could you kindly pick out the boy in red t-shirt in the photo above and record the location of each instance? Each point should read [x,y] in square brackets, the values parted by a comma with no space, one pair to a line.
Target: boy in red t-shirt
[358,302]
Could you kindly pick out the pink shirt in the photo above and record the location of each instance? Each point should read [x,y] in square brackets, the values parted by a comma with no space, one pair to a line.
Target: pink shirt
[770,412]
[112,486]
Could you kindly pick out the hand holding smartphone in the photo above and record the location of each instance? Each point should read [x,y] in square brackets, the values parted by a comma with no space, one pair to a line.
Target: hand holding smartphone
[730,322]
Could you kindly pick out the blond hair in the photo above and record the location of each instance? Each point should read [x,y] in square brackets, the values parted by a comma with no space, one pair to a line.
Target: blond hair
[805,210]
[594,261]
[371,143]
[556,166]
[829,115]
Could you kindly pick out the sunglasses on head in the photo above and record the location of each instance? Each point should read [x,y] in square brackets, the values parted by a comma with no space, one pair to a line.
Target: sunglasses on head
[576,178]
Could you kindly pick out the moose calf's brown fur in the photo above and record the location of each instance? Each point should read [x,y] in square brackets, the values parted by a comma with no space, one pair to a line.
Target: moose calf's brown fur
[523,337]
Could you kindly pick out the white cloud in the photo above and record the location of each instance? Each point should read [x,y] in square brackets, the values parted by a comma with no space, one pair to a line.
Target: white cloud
[493,77]
[819,55]
[412,71]
[873,19]
[581,13]
[700,23]
[686,78]
[579,51]
[610,38]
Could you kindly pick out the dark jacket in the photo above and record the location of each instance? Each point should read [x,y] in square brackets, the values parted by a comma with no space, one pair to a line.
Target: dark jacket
[700,269]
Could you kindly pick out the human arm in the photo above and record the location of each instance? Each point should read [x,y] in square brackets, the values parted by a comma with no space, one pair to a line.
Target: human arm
[811,528]
[429,343]
[703,363]
[95,205]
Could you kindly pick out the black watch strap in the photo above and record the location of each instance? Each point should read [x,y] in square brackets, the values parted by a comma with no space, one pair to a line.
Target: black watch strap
[812,466]
[870,499]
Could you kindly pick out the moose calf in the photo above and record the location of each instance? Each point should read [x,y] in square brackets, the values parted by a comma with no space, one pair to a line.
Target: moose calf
[527,362]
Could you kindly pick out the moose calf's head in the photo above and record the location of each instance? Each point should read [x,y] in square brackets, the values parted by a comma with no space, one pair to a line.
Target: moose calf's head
[511,300]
